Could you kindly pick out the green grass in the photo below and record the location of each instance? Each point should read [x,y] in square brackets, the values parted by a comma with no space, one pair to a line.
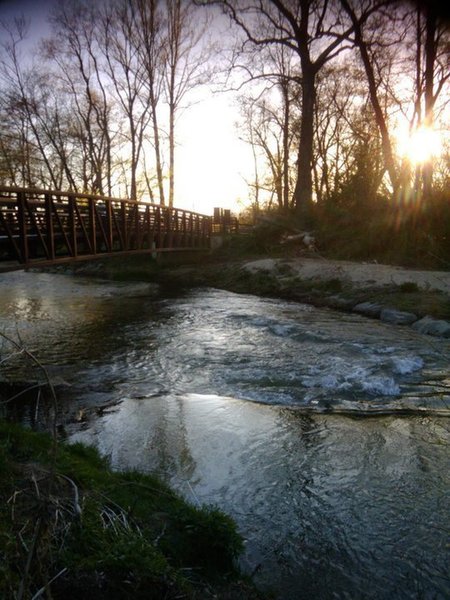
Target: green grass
[107,534]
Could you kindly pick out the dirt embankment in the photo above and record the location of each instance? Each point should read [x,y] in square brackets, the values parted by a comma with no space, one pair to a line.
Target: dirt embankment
[395,295]
[361,275]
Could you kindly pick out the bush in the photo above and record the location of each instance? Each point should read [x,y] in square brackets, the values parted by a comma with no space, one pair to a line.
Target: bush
[408,233]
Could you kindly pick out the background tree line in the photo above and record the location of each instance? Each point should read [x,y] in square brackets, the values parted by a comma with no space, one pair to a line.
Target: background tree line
[324,86]
[96,109]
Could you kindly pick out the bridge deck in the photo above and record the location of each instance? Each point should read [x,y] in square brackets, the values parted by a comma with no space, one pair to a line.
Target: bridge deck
[42,227]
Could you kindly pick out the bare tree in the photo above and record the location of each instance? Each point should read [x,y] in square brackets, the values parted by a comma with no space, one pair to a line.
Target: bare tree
[72,56]
[335,96]
[127,73]
[186,56]
[23,99]
[417,27]
[359,20]
[270,133]
[315,32]
[150,38]
[433,35]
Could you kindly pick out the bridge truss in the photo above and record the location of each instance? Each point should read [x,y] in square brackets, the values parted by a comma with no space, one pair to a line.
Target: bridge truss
[41,227]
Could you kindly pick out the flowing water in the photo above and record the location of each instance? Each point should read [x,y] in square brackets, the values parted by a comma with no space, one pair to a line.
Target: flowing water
[325,435]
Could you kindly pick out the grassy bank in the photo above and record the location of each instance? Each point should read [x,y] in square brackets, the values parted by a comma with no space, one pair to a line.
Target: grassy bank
[72,528]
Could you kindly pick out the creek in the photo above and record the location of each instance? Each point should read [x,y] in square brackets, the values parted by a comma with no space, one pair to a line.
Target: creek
[325,435]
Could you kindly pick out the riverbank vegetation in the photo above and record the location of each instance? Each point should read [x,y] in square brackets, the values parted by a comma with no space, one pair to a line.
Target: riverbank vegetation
[71,528]
[354,227]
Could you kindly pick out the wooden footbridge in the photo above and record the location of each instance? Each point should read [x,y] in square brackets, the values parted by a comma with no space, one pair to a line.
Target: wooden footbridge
[41,228]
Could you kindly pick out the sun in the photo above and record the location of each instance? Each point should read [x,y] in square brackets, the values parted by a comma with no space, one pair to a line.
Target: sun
[419,146]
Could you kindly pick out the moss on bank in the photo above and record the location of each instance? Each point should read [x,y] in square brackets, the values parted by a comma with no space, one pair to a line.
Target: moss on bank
[68,519]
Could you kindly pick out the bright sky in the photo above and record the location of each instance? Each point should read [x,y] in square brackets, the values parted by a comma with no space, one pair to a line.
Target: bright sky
[211,160]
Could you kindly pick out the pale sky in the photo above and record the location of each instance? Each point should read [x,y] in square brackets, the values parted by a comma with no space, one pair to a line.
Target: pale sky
[34,9]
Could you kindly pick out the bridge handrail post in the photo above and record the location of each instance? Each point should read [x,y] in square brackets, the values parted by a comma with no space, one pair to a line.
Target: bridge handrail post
[49,226]
[158,226]
[175,228]
[183,229]
[169,232]
[92,225]
[208,231]
[73,225]
[109,225]
[123,211]
[191,230]
[137,228]
[147,233]
[198,229]
[21,216]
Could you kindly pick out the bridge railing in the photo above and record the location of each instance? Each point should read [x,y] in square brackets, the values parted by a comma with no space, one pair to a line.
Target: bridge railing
[41,226]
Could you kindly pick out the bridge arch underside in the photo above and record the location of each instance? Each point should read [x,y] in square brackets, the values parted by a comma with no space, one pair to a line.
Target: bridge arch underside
[40,228]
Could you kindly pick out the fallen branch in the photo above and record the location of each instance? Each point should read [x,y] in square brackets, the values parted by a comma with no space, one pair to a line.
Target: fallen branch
[22,350]
[44,587]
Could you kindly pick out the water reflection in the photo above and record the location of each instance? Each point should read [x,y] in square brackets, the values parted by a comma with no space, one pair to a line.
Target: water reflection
[326,503]
[71,321]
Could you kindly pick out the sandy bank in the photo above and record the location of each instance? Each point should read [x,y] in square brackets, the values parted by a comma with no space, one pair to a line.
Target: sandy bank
[362,275]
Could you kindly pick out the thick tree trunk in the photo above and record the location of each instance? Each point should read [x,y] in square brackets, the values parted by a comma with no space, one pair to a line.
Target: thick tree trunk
[302,197]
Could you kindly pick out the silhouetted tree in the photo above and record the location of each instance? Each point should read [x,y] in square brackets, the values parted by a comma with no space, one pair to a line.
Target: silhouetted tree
[316,33]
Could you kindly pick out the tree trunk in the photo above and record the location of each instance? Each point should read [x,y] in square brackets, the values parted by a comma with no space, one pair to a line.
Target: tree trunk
[302,197]
[172,109]
[134,162]
[430,58]
[373,94]
[157,146]
[286,123]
